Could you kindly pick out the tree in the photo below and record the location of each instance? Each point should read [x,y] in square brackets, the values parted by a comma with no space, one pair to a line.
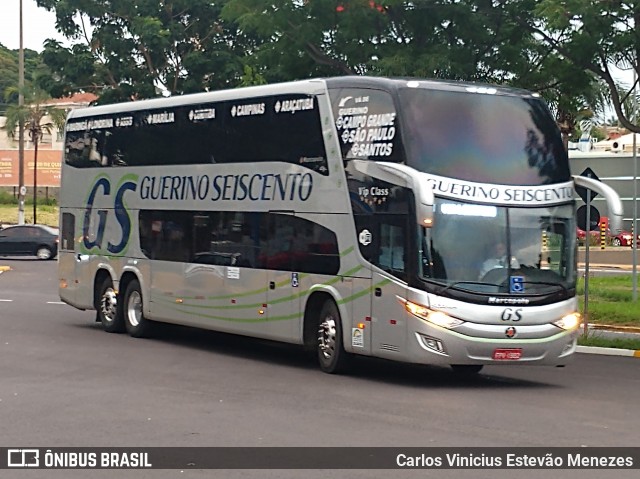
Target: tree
[473,40]
[434,39]
[142,49]
[129,50]
[33,65]
[594,35]
[38,118]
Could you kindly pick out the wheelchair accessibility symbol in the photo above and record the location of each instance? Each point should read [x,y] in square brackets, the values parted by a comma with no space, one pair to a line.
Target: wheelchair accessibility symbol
[516,284]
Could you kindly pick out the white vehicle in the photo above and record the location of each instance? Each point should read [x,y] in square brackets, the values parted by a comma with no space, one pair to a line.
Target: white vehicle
[351,215]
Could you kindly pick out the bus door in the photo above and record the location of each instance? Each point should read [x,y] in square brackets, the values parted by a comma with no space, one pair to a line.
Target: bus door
[244,302]
[68,259]
[389,328]
[235,247]
[284,258]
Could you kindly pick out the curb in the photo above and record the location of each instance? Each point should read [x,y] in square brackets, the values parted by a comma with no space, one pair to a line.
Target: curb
[608,327]
[633,353]
[621,267]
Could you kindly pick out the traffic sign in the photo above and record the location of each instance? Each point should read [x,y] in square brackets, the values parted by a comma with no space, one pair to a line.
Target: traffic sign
[594,218]
[582,191]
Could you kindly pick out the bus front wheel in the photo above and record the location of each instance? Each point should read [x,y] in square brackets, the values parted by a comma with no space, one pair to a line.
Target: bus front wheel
[332,357]
[108,314]
[137,325]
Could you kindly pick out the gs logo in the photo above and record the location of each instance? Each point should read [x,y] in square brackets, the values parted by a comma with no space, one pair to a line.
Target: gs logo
[510,314]
[103,186]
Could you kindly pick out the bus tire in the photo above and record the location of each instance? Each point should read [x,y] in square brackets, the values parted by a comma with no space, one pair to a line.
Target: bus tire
[467,369]
[108,313]
[135,322]
[332,357]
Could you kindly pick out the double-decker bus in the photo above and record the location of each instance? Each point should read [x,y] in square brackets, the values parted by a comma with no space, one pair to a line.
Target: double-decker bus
[420,221]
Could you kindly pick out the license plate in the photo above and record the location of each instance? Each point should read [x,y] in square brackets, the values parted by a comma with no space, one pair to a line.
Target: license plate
[507,354]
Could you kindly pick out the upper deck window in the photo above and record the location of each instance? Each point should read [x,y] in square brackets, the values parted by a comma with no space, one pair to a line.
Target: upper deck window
[481,137]
[281,128]
[367,124]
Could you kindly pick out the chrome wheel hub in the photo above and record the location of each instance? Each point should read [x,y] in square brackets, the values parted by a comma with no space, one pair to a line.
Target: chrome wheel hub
[327,337]
[134,308]
[109,304]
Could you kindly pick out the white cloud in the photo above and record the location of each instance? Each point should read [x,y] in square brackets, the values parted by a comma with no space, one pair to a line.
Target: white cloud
[37,25]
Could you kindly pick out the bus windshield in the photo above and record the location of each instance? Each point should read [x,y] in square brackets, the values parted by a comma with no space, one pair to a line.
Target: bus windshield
[509,140]
[481,248]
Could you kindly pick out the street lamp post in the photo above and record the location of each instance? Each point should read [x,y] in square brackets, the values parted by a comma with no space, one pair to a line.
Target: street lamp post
[634,227]
[35,179]
[22,189]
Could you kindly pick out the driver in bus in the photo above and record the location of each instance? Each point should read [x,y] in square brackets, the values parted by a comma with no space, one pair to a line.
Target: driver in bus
[498,260]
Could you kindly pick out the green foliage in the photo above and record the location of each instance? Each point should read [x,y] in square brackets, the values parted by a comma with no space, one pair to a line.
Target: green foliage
[142,49]
[47,204]
[593,35]
[33,66]
[7,198]
[35,114]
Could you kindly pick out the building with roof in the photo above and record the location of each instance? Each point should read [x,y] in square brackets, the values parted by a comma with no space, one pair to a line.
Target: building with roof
[50,149]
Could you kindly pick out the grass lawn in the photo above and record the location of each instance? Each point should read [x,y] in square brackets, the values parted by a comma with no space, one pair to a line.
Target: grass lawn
[609,343]
[45,214]
[611,300]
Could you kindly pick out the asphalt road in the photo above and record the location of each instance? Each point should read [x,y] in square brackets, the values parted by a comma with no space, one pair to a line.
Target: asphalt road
[65,382]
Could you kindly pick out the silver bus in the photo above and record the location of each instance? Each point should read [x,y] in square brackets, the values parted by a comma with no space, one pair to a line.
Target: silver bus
[420,221]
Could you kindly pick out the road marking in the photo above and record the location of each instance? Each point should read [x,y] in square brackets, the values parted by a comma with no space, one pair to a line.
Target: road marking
[55,302]
[6,300]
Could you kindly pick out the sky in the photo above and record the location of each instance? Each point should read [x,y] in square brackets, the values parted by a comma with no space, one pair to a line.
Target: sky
[37,26]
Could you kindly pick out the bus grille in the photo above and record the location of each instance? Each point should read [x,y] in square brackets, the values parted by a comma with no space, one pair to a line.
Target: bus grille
[389,347]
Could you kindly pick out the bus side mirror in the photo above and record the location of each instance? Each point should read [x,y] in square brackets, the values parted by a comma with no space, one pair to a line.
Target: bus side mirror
[402,175]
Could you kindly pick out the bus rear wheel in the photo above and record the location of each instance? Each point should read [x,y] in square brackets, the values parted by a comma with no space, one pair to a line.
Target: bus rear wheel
[332,357]
[137,325]
[108,314]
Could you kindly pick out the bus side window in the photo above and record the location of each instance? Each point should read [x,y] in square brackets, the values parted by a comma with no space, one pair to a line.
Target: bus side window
[392,244]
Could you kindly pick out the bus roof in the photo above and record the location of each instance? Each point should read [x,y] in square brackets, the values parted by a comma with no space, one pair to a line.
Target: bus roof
[315,85]
[392,83]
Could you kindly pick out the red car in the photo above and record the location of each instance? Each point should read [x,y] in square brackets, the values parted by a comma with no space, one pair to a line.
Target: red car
[595,236]
[621,239]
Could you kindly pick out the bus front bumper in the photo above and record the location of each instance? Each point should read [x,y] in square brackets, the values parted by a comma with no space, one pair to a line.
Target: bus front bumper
[544,345]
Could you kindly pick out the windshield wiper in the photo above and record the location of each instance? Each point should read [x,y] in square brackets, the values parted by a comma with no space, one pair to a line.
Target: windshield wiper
[549,283]
[457,283]
[501,285]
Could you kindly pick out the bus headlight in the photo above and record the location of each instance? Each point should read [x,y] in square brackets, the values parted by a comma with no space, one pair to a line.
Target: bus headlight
[569,322]
[436,317]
